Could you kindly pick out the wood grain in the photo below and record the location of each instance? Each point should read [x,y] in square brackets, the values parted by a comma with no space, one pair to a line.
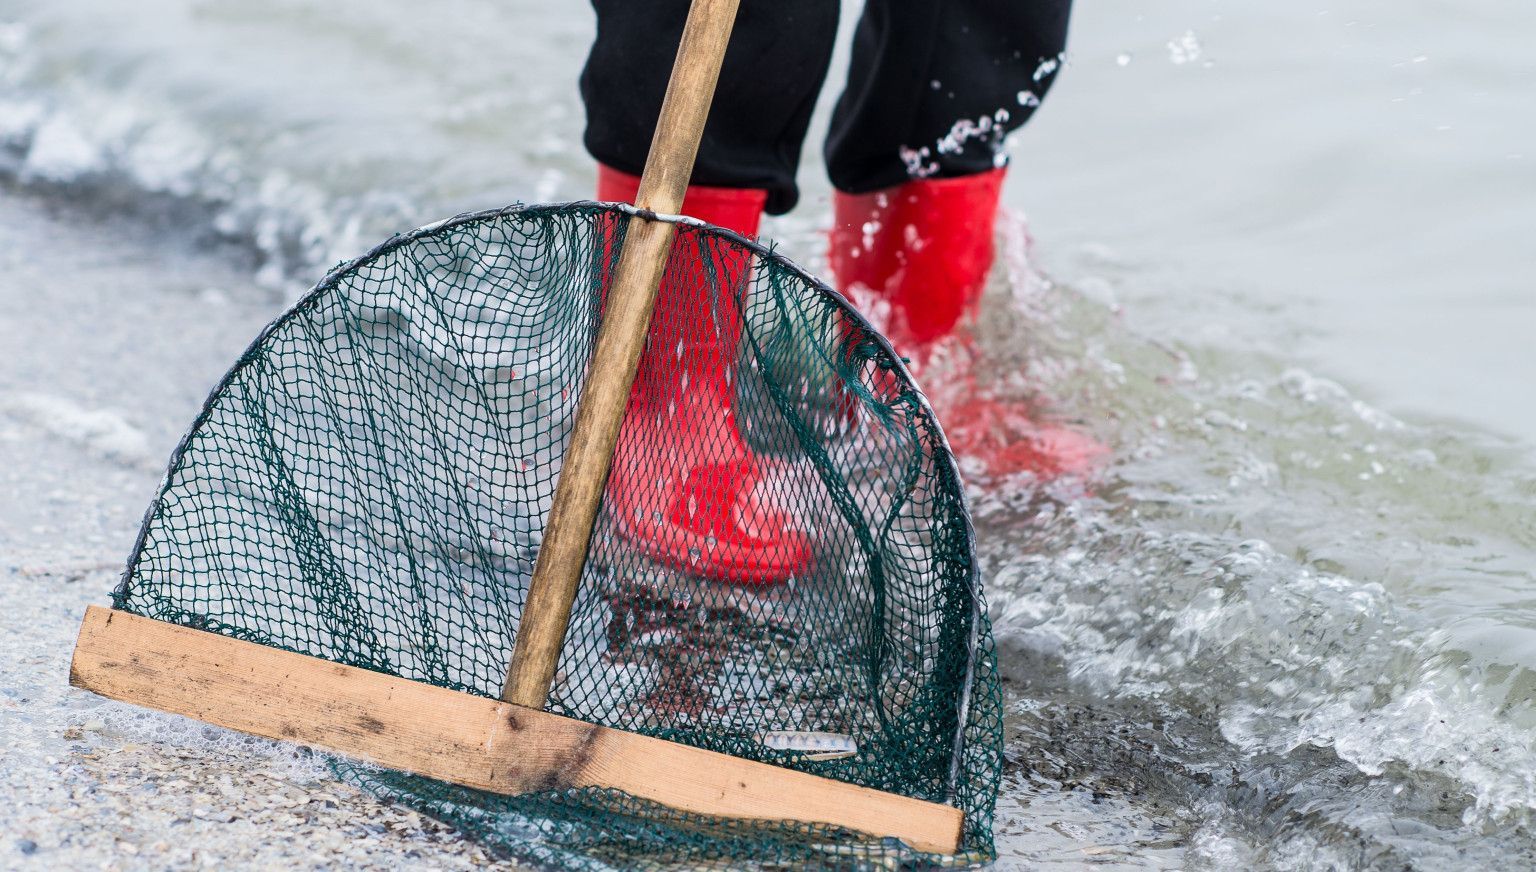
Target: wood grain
[458,737]
[620,339]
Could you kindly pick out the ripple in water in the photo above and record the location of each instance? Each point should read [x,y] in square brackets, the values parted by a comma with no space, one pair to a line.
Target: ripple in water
[1281,627]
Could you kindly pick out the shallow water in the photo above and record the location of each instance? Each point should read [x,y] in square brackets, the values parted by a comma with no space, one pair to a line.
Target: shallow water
[1287,626]
[1294,622]
[1345,182]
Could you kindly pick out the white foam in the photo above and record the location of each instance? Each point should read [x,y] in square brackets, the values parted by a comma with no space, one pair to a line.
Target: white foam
[1438,725]
[60,152]
[101,431]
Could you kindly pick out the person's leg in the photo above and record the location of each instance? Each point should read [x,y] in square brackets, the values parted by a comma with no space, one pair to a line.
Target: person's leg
[915,149]
[683,488]
[934,87]
[773,71]
[684,484]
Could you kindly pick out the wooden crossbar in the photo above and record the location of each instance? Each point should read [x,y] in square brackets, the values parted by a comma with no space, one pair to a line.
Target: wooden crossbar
[462,738]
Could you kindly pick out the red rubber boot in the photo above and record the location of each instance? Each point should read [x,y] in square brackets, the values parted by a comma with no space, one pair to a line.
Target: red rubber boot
[694,504]
[923,249]
[916,257]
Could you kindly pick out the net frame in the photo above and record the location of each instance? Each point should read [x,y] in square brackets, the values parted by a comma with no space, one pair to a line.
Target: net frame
[978,647]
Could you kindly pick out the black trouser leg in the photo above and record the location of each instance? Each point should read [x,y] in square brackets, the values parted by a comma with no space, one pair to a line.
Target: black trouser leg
[933,87]
[774,68]
[991,59]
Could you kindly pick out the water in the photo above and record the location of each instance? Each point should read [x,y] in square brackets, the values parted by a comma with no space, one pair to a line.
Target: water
[1348,172]
[1279,264]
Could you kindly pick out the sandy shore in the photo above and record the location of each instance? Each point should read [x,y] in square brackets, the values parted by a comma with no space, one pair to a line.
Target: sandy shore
[111,339]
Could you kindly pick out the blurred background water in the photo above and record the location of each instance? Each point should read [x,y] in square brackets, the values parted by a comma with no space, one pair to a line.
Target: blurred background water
[1280,264]
[1360,169]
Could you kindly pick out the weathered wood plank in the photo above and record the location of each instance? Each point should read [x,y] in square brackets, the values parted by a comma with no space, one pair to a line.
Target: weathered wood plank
[459,737]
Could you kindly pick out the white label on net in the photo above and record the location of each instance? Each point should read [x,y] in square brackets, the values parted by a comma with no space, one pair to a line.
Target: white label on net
[811,742]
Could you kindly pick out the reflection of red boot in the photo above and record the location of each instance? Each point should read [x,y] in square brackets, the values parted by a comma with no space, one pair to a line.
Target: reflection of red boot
[684,484]
[916,258]
[1005,436]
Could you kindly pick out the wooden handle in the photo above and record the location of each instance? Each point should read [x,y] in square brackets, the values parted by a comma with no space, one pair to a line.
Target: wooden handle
[620,339]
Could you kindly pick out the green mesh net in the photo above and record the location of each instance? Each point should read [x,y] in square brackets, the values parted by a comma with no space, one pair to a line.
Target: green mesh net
[369,483]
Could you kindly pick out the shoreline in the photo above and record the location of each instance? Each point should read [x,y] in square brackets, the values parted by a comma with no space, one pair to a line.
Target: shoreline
[92,783]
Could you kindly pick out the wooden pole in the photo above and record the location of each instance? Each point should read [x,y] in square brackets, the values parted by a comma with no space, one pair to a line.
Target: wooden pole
[620,339]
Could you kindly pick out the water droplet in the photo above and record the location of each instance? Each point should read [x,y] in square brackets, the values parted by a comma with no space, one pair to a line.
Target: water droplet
[1184,49]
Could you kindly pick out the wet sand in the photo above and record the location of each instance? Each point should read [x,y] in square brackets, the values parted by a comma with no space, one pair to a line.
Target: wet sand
[110,345]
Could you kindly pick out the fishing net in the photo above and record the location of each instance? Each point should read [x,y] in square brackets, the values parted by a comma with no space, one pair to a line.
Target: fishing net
[369,483]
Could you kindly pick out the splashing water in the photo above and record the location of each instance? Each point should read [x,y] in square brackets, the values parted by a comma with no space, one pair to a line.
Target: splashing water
[1268,627]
